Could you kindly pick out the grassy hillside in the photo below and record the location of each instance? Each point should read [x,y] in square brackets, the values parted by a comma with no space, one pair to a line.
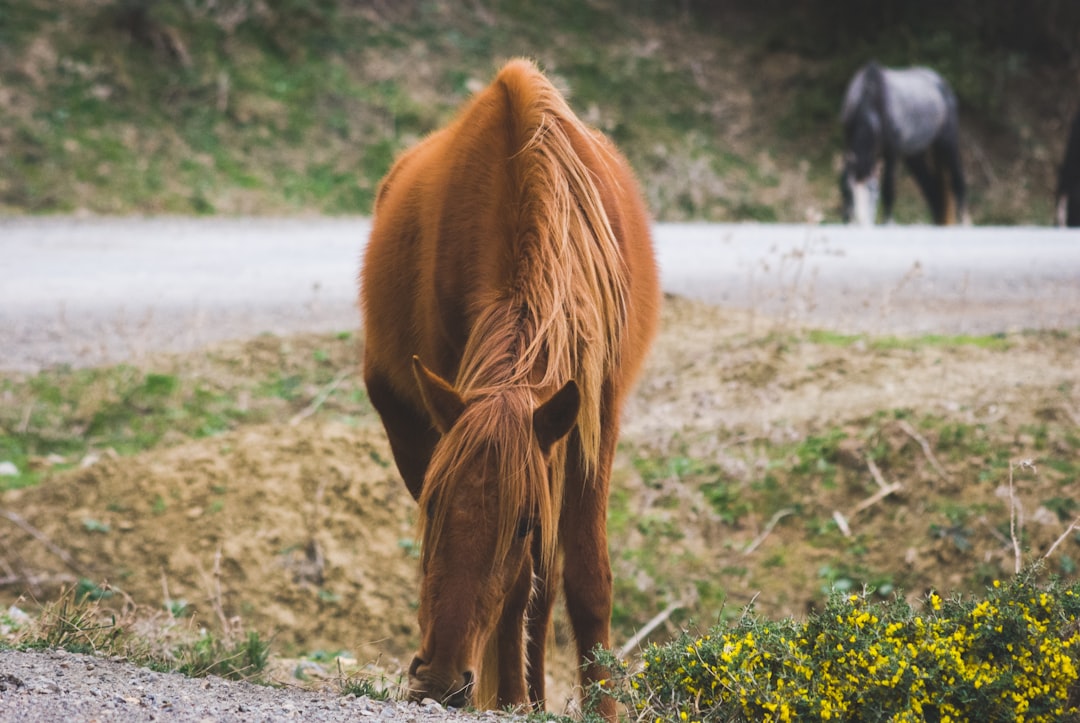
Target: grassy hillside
[291,107]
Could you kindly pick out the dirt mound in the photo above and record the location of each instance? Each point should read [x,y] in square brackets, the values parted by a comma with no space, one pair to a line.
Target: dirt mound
[303,531]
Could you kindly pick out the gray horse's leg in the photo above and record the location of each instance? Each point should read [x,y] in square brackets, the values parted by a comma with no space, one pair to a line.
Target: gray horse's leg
[951,154]
[926,175]
[888,187]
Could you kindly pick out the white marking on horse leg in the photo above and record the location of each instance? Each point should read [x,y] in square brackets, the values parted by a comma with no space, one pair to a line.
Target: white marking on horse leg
[864,203]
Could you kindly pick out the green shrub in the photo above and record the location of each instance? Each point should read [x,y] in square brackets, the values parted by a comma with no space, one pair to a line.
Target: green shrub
[1012,656]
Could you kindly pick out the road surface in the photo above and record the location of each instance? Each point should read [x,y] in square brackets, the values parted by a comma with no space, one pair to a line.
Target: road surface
[91,291]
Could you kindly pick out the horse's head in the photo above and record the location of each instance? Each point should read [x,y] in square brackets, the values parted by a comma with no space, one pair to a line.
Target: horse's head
[487,506]
[859,179]
[859,198]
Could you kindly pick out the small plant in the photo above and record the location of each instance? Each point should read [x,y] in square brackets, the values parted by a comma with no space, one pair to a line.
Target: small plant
[724,498]
[245,659]
[87,589]
[363,686]
[374,685]
[12,622]
[178,608]
[411,547]
[77,622]
[92,525]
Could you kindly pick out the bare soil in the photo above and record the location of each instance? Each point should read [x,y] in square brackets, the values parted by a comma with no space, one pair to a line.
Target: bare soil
[305,531]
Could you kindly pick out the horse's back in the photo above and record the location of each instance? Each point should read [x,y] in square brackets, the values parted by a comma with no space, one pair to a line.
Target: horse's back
[420,267]
[917,103]
[429,264]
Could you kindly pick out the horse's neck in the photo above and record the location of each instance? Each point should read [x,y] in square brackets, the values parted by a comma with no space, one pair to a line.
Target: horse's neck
[502,350]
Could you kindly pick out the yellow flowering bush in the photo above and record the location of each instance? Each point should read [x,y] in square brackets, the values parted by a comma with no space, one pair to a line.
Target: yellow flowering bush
[1013,656]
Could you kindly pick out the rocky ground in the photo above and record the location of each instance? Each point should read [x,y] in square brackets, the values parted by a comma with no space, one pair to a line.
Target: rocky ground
[57,687]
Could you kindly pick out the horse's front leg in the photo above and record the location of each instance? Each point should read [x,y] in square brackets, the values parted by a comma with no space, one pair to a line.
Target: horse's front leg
[924,170]
[510,643]
[545,588]
[888,187]
[586,566]
[959,188]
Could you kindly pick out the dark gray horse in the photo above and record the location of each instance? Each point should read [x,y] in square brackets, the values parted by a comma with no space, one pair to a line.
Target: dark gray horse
[910,115]
[1068,189]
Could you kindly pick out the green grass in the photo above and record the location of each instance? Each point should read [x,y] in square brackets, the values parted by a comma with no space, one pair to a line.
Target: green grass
[994,342]
[204,109]
[68,413]
[80,621]
[54,419]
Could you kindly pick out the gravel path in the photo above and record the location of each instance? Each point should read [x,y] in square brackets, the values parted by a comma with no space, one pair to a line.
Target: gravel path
[61,687]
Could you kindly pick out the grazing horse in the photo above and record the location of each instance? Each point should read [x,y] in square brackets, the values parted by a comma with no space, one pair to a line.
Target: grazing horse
[510,293]
[908,114]
[1068,188]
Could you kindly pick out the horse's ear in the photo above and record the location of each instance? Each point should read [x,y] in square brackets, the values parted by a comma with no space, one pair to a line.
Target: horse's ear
[554,419]
[443,403]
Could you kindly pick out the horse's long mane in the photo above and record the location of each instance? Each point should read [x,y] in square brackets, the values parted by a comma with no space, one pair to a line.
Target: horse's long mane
[559,314]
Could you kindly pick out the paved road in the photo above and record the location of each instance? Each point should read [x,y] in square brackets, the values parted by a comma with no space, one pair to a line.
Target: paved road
[90,291]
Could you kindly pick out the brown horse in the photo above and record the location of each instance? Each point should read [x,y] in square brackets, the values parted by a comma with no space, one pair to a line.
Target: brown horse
[510,294]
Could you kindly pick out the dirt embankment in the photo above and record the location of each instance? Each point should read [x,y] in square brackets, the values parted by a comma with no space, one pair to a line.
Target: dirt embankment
[304,531]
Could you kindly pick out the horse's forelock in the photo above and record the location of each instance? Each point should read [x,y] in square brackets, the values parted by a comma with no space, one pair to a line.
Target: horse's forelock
[494,435]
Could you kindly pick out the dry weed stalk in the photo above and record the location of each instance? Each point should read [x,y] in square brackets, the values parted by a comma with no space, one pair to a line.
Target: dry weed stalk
[777,516]
[213,585]
[921,440]
[320,398]
[1013,507]
[877,497]
[20,522]
[632,644]
[884,490]
[842,523]
[910,275]
[1071,412]
[1075,524]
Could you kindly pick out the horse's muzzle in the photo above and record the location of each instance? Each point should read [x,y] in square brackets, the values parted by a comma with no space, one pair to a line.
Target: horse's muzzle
[426,683]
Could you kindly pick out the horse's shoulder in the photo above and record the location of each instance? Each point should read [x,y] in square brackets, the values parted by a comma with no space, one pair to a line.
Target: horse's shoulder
[400,178]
